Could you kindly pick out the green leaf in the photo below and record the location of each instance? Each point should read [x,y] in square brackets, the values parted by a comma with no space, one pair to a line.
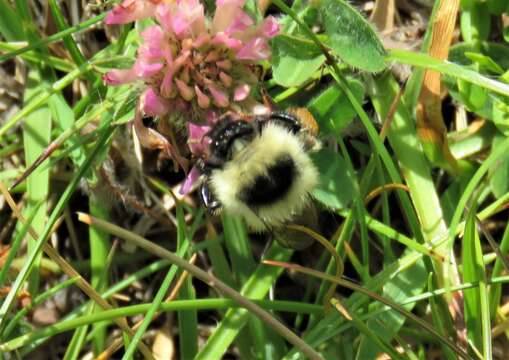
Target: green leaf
[449,68]
[380,344]
[187,320]
[36,137]
[332,109]
[124,109]
[441,318]
[490,106]
[115,62]
[10,24]
[64,119]
[498,268]
[485,62]
[307,13]
[335,189]
[473,96]
[477,318]
[500,114]
[475,21]
[465,143]
[499,174]
[499,53]
[351,37]
[497,7]
[407,284]
[294,60]
[450,197]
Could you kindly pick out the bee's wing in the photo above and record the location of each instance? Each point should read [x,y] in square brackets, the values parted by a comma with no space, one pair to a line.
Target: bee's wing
[295,239]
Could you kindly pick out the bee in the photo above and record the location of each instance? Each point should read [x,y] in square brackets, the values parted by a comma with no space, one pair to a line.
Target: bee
[259,167]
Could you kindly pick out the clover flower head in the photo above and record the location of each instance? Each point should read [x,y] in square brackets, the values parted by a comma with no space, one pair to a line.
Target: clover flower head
[189,61]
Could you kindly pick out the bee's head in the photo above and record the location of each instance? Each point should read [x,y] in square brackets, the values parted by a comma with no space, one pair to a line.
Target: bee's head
[227,137]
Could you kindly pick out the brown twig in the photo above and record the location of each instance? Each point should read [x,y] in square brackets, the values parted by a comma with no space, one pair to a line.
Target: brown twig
[377,191]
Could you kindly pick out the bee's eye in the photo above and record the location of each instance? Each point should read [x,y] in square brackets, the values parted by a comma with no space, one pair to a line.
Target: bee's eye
[225,134]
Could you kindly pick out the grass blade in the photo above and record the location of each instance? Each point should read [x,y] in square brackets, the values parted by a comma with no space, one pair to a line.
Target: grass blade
[36,137]
[477,312]
[188,320]
[447,68]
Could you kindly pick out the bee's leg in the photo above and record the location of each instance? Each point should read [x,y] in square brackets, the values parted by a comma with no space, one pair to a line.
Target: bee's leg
[152,139]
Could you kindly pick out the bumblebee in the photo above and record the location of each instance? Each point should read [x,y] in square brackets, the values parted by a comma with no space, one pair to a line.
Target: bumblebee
[260,169]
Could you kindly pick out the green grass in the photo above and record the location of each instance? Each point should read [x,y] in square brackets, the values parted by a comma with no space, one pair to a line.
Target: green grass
[428,240]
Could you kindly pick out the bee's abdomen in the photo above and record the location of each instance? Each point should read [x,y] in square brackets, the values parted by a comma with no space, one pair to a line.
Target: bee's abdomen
[273,185]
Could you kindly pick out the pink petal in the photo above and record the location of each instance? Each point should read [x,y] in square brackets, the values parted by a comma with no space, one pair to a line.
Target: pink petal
[270,27]
[239,3]
[153,35]
[197,141]
[203,100]
[168,56]
[153,43]
[211,116]
[179,24]
[181,59]
[184,75]
[118,77]
[129,11]
[185,90]
[181,105]
[145,69]
[256,49]
[241,92]
[222,38]
[201,40]
[194,12]
[167,89]
[183,18]
[212,56]
[224,64]
[240,23]
[220,98]
[153,104]
[226,12]
[226,79]
[191,179]
[196,132]
[163,16]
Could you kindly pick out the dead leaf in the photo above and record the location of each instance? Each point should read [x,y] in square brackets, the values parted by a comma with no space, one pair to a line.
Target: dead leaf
[164,346]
